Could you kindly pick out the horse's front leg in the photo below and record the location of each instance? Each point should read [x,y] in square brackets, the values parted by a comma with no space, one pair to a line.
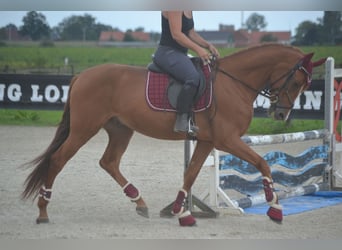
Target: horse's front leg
[240,149]
[200,154]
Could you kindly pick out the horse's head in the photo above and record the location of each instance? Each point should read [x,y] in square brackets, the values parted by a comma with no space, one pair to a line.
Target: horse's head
[285,88]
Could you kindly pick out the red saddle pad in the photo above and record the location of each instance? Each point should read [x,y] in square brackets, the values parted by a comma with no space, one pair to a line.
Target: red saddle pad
[156,91]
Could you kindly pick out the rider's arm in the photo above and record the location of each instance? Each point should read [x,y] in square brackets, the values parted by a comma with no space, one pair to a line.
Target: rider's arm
[175,22]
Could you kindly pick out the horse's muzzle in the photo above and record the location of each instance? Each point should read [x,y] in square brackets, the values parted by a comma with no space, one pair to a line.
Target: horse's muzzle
[280,114]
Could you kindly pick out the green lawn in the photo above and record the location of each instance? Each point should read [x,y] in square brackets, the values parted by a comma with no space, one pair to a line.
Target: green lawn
[52,118]
[29,117]
[22,57]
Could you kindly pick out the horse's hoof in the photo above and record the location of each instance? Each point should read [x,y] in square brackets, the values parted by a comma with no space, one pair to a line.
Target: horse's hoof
[187,220]
[42,220]
[143,211]
[275,214]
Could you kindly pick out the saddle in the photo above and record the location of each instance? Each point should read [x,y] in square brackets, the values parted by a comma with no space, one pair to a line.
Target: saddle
[163,89]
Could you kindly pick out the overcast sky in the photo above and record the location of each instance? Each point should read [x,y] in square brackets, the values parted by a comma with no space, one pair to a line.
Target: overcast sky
[150,20]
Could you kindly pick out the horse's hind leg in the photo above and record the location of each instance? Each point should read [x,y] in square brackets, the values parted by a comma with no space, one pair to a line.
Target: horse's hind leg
[119,137]
[68,149]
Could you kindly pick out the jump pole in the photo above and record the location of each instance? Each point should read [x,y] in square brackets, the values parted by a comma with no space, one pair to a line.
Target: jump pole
[215,191]
[335,159]
[283,194]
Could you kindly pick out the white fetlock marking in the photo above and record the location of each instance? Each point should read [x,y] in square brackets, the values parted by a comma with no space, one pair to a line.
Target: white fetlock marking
[123,188]
[179,213]
[185,192]
[270,182]
[267,179]
[274,200]
[185,214]
[136,198]
[277,206]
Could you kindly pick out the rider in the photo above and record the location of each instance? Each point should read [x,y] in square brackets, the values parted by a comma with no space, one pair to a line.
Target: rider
[178,35]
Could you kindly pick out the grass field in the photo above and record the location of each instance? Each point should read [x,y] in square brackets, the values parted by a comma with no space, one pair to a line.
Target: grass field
[80,58]
[52,118]
[19,57]
[29,117]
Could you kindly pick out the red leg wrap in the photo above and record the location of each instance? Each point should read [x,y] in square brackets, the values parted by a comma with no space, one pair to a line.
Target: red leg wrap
[178,206]
[131,192]
[268,189]
[187,220]
[275,214]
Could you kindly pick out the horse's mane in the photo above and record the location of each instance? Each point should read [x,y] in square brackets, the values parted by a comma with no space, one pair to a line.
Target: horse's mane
[264,45]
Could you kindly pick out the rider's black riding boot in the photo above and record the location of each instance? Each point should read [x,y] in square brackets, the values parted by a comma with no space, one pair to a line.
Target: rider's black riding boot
[184,108]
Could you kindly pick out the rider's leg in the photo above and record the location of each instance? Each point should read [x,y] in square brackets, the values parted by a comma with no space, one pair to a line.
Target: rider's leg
[184,108]
[180,66]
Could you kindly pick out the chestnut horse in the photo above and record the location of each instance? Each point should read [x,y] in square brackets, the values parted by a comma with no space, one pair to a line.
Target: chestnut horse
[112,97]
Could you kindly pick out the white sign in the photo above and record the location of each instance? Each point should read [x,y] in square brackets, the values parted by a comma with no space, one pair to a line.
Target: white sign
[51,93]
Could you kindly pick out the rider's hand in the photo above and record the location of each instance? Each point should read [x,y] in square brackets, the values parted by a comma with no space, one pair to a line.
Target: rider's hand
[213,50]
[203,54]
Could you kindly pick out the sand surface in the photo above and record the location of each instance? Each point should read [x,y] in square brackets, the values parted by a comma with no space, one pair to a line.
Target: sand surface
[88,204]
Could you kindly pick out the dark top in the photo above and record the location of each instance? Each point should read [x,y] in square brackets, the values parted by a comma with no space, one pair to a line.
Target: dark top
[166,37]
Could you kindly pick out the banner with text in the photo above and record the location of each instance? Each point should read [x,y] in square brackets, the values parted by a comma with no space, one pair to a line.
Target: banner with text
[50,92]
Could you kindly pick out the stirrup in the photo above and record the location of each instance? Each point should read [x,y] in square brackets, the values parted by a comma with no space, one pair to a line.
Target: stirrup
[192,128]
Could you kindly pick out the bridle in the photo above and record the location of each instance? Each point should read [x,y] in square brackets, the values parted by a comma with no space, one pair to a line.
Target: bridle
[268,91]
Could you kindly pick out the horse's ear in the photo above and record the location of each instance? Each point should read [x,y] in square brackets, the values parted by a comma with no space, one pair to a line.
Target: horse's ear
[306,62]
[319,62]
[307,59]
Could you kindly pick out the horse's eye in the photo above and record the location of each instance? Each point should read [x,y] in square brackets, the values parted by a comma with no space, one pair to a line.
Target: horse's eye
[297,84]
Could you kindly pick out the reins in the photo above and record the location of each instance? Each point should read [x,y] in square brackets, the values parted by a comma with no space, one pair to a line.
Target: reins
[237,79]
[266,92]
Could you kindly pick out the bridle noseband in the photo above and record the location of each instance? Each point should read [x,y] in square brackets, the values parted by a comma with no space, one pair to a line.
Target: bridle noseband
[273,94]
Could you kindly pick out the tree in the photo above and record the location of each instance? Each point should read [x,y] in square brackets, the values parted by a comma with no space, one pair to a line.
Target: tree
[307,33]
[328,30]
[128,36]
[332,26]
[80,28]
[76,27]
[255,22]
[139,29]
[35,26]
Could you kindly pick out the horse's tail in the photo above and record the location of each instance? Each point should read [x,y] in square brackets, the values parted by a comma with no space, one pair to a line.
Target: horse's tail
[42,163]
